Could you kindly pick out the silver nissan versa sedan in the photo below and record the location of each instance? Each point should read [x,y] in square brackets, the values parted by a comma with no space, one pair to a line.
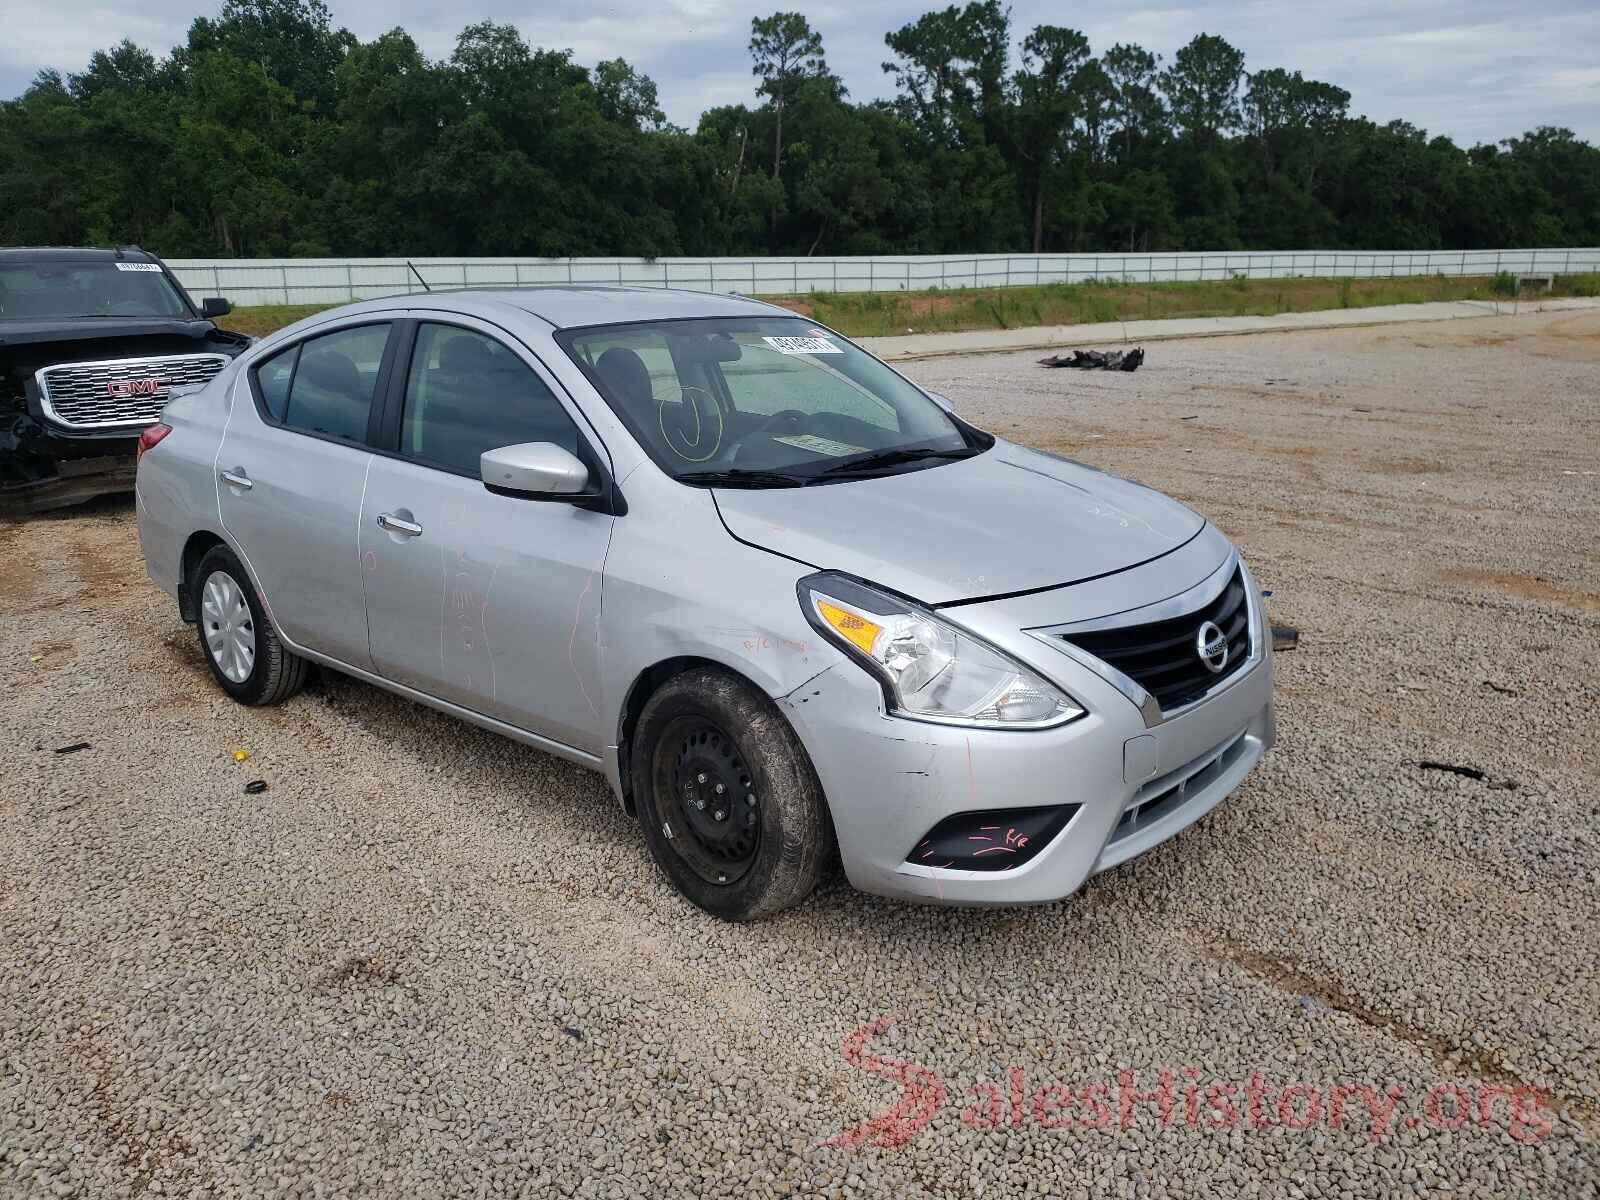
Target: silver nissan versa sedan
[782,597]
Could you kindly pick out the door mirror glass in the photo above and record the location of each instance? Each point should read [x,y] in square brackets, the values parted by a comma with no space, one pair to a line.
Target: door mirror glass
[533,469]
[215,306]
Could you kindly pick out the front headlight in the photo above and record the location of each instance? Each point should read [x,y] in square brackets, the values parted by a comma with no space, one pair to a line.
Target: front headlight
[930,670]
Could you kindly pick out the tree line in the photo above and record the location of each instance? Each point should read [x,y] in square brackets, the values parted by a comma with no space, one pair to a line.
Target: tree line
[270,132]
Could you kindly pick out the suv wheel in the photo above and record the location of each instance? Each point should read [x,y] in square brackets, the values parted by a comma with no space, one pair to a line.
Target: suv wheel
[241,646]
[730,804]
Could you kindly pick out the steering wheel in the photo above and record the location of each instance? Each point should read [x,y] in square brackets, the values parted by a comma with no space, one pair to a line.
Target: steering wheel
[790,418]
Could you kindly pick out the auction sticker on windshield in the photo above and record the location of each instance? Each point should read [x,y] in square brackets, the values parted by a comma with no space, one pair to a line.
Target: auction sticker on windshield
[802,345]
[820,445]
[138,267]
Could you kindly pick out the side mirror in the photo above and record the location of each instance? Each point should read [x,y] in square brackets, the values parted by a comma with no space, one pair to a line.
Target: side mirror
[215,306]
[540,470]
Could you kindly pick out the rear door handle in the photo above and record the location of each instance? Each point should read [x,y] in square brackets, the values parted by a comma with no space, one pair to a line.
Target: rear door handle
[396,524]
[236,478]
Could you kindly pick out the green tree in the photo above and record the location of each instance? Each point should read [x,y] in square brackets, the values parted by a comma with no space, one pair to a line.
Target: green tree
[626,96]
[270,131]
[1202,87]
[1139,109]
[786,51]
[951,65]
[1048,100]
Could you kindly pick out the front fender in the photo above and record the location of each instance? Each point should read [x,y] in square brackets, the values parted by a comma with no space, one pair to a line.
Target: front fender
[679,588]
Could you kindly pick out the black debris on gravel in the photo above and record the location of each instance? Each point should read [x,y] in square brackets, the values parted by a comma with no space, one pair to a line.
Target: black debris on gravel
[1098,360]
[1452,768]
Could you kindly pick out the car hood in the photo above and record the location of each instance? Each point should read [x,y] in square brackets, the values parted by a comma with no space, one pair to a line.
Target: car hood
[1008,520]
[67,329]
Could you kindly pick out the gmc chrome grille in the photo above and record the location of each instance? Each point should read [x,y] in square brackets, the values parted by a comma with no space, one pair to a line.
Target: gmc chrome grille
[121,391]
[1164,657]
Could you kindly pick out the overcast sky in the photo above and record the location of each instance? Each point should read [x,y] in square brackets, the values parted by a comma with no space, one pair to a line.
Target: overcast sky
[1475,70]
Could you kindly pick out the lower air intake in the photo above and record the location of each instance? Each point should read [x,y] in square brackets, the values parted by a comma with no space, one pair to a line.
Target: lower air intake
[999,839]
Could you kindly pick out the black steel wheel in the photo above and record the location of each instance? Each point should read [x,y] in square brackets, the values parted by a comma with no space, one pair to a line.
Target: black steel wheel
[730,805]
[713,799]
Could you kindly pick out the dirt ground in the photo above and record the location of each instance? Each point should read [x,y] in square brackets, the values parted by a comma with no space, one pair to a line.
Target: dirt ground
[427,961]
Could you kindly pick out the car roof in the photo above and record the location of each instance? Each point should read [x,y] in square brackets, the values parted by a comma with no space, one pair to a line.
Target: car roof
[571,306]
[74,254]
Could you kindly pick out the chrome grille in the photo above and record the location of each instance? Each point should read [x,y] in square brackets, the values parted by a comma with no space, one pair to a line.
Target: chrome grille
[120,391]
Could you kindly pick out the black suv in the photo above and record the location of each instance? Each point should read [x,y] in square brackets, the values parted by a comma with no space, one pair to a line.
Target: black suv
[92,342]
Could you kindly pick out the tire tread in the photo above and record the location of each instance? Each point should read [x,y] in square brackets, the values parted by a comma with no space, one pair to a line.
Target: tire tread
[807,845]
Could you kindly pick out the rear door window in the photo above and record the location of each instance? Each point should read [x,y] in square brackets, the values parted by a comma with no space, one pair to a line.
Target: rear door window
[333,382]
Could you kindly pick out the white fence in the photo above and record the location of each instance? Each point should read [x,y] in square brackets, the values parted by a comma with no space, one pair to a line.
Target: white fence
[337,280]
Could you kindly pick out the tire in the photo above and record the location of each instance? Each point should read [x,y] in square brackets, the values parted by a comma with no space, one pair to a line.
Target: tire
[706,727]
[233,616]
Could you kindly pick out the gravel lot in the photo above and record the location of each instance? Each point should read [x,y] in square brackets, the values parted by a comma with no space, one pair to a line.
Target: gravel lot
[429,962]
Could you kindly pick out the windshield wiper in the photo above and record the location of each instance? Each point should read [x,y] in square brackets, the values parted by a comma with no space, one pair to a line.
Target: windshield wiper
[893,458]
[737,477]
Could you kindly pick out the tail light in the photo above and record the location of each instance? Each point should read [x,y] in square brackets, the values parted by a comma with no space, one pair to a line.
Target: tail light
[149,438]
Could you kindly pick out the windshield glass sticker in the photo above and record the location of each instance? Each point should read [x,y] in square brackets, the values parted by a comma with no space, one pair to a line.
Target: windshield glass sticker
[802,345]
[138,267]
[819,445]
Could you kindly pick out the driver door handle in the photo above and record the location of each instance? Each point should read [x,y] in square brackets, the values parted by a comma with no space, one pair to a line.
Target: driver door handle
[236,478]
[395,524]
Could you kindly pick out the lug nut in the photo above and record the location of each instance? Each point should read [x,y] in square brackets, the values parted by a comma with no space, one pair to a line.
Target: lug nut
[700,778]
[750,799]
[721,814]
[720,789]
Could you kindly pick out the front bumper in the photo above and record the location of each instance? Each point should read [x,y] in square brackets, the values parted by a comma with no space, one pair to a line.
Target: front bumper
[65,482]
[889,780]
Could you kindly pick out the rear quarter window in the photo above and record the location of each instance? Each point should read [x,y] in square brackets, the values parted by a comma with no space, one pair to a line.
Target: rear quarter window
[272,381]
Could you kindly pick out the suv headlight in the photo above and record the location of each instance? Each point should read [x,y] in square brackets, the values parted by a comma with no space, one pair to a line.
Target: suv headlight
[930,670]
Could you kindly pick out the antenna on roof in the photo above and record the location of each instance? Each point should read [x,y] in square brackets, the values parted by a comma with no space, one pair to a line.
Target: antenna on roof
[418,274]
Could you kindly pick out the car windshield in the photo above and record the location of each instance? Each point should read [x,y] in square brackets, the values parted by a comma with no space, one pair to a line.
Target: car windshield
[764,402]
[42,290]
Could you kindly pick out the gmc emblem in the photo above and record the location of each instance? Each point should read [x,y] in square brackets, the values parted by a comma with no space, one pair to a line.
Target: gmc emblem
[133,387]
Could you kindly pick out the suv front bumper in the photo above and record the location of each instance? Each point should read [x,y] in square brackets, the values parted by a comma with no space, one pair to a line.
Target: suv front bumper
[60,482]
